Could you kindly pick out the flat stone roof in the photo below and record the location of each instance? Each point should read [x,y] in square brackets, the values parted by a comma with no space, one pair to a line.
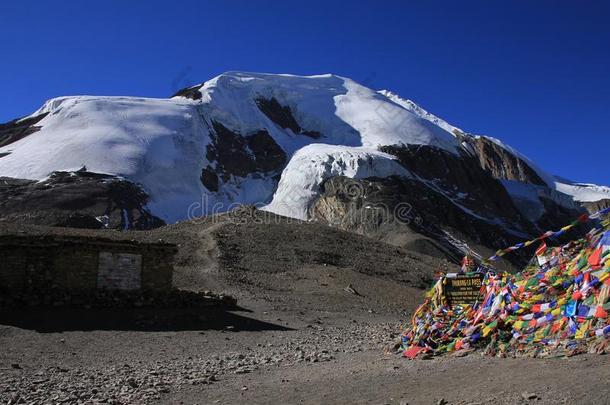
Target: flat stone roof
[13,233]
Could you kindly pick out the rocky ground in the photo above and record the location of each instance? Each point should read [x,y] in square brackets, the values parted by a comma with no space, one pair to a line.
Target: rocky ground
[291,356]
[319,315]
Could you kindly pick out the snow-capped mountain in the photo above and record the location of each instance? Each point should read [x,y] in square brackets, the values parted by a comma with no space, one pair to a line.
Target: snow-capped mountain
[276,141]
[164,145]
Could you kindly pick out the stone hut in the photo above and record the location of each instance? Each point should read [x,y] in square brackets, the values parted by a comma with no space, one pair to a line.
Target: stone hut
[83,260]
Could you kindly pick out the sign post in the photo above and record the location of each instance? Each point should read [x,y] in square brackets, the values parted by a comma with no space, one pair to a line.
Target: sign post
[462,289]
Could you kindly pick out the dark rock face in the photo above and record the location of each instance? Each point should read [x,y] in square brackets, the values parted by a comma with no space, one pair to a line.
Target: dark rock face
[313,134]
[77,200]
[398,206]
[461,179]
[283,116]
[240,156]
[279,114]
[502,164]
[189,92]
[15,130]
[556,216]
[209,179]
[268,154]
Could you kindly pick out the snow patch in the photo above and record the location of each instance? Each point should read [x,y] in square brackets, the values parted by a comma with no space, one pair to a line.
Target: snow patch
[584,192]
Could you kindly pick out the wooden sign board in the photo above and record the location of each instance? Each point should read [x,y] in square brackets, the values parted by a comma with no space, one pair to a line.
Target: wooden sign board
[461,289]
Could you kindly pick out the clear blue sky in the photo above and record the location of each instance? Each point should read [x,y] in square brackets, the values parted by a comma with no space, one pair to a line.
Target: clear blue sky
[535,74]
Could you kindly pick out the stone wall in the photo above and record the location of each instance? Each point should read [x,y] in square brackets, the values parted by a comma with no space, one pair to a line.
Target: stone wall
[81,263]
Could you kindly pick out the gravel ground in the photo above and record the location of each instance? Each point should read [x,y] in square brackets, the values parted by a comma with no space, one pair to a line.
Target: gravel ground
[318,321]
[143,380]
[294,356]
[143,366]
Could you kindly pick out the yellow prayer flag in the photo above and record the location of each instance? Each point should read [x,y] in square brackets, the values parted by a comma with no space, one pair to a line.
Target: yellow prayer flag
[581,332]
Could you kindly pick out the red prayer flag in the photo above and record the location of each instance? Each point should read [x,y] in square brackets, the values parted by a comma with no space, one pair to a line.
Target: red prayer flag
[556,326]
[600,312]
[540,251]
[595,258]
[413,351]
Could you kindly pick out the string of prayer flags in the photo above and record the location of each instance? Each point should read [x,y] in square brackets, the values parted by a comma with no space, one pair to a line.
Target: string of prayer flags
[553,234]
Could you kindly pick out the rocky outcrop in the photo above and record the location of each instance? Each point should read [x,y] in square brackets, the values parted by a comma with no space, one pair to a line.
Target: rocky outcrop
[405,212]
[189,92]
[501,163]
[209,179]
[279,114]
[461,180]
[282,116]
[15,130]
[76,199]
[236,155]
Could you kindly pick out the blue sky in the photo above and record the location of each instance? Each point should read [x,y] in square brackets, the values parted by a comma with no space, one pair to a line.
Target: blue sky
[532,73]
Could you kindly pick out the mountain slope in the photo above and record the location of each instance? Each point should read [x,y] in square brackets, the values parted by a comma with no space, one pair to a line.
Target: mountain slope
[276,141]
